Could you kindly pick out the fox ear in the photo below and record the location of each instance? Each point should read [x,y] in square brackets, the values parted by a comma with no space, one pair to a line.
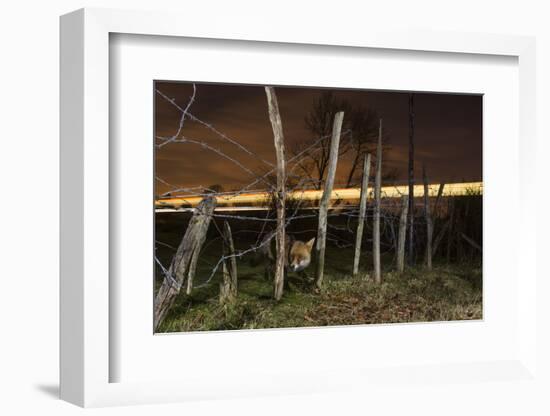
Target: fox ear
[310,243]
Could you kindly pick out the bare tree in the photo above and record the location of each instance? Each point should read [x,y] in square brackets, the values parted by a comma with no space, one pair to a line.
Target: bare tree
[363,137]
[215,188]
[319,121]
[360,138]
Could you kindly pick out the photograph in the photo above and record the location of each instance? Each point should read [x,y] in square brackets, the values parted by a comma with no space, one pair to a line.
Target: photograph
[292,206]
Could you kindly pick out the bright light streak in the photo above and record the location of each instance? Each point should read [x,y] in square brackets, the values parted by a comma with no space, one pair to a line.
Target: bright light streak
[260,199]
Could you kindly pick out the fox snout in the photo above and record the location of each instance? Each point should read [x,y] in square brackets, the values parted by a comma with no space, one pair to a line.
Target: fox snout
[300,265]
[300,255]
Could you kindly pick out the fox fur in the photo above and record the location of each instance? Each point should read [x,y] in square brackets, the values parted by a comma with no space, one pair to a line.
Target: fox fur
[297,254]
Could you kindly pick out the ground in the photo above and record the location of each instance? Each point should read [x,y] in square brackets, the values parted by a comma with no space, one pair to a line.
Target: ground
[443,294]
[451,291]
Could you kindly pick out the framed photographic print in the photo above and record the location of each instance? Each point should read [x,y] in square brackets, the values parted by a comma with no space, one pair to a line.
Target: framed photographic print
[279,214]
[220,240]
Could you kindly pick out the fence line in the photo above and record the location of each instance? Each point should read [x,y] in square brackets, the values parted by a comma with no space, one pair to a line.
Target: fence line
[298,192]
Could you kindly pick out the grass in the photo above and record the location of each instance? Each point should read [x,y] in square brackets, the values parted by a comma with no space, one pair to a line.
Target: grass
[446,293]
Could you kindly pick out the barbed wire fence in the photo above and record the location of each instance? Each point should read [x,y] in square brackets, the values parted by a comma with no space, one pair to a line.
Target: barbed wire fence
[340,233]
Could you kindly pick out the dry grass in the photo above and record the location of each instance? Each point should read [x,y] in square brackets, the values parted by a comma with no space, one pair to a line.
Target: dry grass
[444,294]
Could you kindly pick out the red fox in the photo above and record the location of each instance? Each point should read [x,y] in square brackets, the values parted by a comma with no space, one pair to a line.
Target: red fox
[297,258]
[299,255]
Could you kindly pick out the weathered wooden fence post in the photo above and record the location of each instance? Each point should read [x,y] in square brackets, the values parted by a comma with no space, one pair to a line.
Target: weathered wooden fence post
[402,236]
[436,241]
[411,179]
[451,209]
[228,285]
[377,197]
[192,270]
[439,237]
[277,126]
[439,195]
[325,199]
[459,225]
[185,260]
[429,225]
[471,242]
[362,210]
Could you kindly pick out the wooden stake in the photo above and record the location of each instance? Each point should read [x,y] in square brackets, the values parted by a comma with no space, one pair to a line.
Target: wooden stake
[450,208]
[429,225]
[325,199]
[362,210]
[439,194]
[228,285]
[192,269]
[402,233]
[439,237]
[185,260]
[411,179]
[471,242]
[278,137]
[377,197]
[436,241]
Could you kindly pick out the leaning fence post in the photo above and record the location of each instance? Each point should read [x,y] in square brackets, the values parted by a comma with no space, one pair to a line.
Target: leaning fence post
[192,270]
[362,210]
[427,213]
[402,233]
[377,197]
[451,209]
[433,216]
[325,199]
[471,242]
[277,126]
[185,259]
[228,285]
[439,238]
[439,195]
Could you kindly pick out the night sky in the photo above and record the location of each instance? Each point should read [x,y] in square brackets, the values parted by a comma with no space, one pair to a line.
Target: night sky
[448,132]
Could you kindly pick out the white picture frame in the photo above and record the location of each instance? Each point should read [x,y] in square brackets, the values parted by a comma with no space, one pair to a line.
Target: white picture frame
[86,356]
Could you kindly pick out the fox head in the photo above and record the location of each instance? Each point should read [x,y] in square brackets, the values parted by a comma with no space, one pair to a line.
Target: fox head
[300,255]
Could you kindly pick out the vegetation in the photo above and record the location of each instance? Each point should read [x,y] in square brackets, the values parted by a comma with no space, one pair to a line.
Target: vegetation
[446,293]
